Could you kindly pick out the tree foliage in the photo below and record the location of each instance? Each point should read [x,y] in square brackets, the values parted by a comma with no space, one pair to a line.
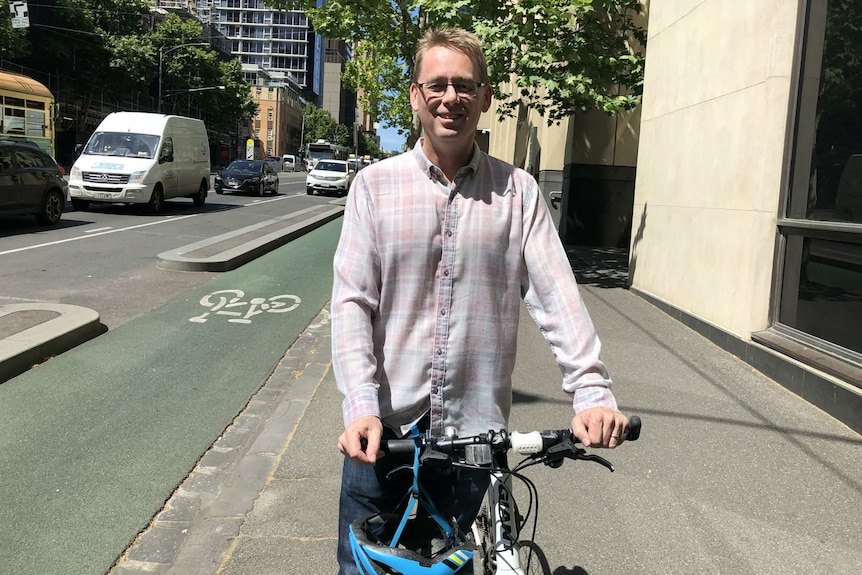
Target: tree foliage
[840,93]
[319,124]
[13,41]
[563,56]
[111,48]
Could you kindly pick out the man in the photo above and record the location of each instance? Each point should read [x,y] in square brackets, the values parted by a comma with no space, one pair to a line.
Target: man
[438,247]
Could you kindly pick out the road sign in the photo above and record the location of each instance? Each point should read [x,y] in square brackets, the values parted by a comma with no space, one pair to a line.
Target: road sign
[249,149]
[20,13]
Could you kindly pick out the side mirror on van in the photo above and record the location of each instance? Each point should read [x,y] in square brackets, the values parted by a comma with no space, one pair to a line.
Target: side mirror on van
[166,157]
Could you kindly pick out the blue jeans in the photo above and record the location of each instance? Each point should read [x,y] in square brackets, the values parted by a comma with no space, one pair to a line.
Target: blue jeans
[365,491]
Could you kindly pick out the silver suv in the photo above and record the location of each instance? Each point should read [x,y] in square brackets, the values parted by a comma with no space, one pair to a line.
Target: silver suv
[31,182]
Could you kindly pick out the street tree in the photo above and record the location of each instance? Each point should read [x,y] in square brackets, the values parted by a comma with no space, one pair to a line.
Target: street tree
[556,56]
[319,125]
[367,146]
[74,39]
[13,41]
[190,70]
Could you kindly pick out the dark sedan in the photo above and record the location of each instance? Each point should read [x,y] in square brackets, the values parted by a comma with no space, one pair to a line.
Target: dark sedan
[251,176]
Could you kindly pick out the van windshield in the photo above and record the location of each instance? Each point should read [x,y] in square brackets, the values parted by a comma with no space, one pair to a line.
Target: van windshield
[122,144]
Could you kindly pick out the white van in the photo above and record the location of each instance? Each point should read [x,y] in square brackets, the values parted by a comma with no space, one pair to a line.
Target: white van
[289,163]
[142,158]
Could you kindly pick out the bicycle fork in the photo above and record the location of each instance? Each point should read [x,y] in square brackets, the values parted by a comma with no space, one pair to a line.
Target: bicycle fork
[504,525]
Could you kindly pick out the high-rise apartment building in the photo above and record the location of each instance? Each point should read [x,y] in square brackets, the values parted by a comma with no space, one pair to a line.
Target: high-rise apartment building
[281,42]
[279,51]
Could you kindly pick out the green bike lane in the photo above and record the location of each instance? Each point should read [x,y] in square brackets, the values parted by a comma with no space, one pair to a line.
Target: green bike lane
[94,441]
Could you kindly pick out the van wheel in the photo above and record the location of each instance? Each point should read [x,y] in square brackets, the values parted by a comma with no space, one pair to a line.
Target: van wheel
[201,197]
[52,208]
[80,204]
[157,200]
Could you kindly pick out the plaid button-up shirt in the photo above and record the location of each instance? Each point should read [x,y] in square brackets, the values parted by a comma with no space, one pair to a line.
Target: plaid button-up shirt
[428,281]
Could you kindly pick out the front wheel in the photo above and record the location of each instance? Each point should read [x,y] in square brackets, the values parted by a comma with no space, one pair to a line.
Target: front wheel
[201,197]
[531,558]
[157,201]
[52,208]
[309,191]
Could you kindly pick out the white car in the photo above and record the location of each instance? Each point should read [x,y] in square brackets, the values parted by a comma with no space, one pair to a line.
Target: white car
[332,176]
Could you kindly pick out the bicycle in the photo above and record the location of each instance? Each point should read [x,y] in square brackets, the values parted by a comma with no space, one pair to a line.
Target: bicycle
[493,543]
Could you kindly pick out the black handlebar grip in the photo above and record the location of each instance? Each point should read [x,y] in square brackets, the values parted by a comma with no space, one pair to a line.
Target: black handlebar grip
[634,428]
[394,446]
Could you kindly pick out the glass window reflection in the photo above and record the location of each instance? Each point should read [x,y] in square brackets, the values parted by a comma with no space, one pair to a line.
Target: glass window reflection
[829,295]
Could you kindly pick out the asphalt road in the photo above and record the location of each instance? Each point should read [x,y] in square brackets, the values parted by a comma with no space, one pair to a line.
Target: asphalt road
[105,259]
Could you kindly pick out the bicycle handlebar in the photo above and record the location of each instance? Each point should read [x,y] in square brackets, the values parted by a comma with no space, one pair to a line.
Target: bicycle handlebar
[525,443]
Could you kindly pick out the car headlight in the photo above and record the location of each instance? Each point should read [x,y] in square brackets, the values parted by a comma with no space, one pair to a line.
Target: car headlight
[75,173]
[137,177]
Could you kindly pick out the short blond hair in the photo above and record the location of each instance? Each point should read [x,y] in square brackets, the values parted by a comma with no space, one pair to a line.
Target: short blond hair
[456,39]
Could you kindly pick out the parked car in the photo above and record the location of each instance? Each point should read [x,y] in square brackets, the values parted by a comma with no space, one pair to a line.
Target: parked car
[275,162]
[254,176]
[31,182]
[330,176]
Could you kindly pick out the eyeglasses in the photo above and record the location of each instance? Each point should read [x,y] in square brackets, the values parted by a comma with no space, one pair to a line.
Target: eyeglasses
[464,88]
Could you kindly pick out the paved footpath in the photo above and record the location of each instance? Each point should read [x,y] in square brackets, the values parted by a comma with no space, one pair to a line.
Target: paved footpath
[155,472]
[733,474]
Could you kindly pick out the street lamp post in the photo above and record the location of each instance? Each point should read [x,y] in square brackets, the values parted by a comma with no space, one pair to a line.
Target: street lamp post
[187,90]
[190,90]
[162,52]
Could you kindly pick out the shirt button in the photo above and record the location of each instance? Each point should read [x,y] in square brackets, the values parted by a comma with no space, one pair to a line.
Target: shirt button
[439,352]
[443,312]
[449,233]
[446,273]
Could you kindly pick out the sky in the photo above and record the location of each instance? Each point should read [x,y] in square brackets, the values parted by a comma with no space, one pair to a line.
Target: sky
[390,140]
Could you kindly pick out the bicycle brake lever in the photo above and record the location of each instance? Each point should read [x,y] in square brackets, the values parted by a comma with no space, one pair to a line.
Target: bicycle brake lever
[567,449]
[600,460]
[434,458]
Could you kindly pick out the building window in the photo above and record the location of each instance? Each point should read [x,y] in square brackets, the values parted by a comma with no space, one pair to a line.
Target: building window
[819,294]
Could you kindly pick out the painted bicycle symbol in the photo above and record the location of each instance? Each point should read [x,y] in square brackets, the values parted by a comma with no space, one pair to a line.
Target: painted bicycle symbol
[230,302]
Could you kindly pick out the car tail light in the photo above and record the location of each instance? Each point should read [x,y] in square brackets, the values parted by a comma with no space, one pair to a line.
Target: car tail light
[62,170]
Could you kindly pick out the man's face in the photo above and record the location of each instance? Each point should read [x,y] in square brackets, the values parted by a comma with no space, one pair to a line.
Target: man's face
[450,117]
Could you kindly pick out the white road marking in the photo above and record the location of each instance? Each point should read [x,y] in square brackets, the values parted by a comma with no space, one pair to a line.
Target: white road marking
[109,231]
[97,230]
[256,202]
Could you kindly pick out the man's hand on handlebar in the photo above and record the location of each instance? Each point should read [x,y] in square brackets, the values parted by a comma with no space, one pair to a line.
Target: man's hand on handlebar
[369,428]
[600,427]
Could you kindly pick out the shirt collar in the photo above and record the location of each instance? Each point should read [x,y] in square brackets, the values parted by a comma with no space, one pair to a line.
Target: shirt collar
[433,171]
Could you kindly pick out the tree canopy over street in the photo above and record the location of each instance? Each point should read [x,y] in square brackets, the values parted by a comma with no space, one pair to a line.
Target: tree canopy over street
[561,56]
[99,49]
